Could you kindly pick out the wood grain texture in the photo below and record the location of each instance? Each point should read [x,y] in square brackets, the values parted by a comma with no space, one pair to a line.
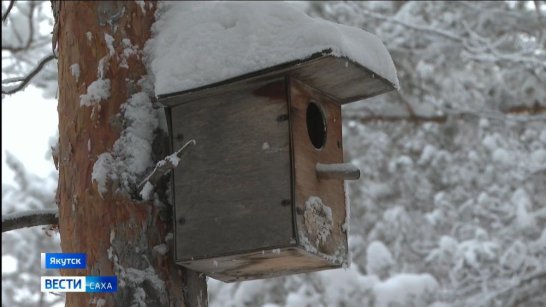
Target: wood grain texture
[342,79]
[233,189]
[259,264]
[307,184]
[345,171]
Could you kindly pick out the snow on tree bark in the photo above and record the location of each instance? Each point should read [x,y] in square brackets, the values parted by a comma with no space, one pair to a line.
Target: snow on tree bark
[117,233]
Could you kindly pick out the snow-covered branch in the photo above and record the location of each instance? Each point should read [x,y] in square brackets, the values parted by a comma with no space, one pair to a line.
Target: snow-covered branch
[430,30]
[30,35]
[28,78]
[29,219]
[526,280]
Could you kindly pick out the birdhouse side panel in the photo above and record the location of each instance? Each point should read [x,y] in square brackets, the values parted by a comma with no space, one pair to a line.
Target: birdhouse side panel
[232,190]
[320,204]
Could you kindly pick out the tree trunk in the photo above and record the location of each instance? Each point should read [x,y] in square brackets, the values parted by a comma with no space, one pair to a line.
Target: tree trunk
[117,232]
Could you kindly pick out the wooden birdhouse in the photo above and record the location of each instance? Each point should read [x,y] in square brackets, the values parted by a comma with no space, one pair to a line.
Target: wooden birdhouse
[261,194]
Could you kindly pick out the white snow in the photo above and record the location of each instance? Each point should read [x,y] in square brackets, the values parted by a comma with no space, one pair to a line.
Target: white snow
[524,219]
[109,44]
[97,91]
[147,191]
[500,155]
[89,35]
[22,213]
[173,159]
[318,219]
[142,5]
[426,156]
[131,155]
[9,264]
[199,43]
[103,65]
[161,249]
[137,277]
[101,168]
[75,70]
[378,258]
[542,136]
[139,298]
[399,289]
[346,225]
[128,50]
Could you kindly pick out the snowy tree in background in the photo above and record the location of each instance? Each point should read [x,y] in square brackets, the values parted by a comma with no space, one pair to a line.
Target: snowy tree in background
[21,249]
[451,209]
[26,45]
[27,54]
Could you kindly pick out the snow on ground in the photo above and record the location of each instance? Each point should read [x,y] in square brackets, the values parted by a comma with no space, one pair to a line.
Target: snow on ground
[199,43]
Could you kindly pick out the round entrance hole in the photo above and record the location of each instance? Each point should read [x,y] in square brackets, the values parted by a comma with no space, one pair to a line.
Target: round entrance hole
[316,125]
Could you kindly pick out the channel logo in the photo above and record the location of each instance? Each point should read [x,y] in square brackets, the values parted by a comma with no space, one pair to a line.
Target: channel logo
[94,284]
[63,261]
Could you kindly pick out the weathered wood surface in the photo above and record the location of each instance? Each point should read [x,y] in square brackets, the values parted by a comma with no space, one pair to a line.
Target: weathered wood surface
[340,171]
[235,214]
[233,189]
[307,184]
[116,232]
[259,264]
[342,79]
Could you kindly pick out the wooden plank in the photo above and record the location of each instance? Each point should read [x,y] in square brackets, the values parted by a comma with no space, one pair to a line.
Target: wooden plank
[342,79]
[232,190]
[314,198]
[345,171]
[258,264]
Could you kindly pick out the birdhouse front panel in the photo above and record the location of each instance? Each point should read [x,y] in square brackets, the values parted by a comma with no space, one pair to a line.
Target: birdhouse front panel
[320,203]
[233,194]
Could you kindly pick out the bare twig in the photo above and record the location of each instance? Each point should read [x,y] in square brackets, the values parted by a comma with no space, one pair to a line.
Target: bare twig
[29,219]
[435,31]
[29,77]
[10,6]
[540,276]
[164,166]
[30,25]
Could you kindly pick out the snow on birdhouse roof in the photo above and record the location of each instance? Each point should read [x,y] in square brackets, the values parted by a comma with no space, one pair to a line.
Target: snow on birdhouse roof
[195,44]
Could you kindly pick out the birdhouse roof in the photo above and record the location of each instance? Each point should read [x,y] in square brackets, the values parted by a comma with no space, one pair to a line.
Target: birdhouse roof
[202,45]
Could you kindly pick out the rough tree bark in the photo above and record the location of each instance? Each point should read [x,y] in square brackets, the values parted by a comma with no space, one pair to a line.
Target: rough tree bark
[117,233]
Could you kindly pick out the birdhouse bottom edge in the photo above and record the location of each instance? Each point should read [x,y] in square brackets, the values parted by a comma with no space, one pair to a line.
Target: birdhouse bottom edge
[265,263]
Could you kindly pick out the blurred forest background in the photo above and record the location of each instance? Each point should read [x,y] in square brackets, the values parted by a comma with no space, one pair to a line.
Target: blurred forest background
[451,207]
